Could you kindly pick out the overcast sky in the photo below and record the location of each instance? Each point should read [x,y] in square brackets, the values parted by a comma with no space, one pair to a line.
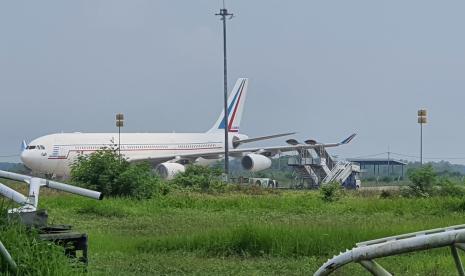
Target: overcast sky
[322,68]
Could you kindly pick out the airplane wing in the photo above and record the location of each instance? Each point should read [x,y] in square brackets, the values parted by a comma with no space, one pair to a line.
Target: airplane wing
[238,142]
[266,151]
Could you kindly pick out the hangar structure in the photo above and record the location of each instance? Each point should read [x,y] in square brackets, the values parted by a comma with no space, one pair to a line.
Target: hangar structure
[380,167]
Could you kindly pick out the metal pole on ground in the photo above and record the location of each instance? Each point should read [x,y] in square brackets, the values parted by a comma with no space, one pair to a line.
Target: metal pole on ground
[458,262]
[374,268]
[7,257]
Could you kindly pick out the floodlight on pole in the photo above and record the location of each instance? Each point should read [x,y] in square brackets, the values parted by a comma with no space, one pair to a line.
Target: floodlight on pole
[119,125]
[225,15]
[422,119]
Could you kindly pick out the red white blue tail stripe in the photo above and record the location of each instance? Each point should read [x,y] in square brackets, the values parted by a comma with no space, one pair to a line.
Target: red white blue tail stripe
[235,108]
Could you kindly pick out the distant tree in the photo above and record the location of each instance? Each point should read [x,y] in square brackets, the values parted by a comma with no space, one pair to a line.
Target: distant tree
[200,178]
[442,168]
[19,168]
[422,181]
[106,172]
[448,187]
[99,170]
[331,192]
[386,179]
[14,167]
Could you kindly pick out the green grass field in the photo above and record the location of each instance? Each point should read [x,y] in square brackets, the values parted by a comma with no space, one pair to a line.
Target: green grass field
[249,232]
[266,233]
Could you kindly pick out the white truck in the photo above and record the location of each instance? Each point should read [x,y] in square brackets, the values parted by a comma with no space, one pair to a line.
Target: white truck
[263,182]
[256,181]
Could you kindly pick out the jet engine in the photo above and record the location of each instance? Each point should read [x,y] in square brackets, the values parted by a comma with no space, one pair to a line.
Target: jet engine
[255,162]
[169,170]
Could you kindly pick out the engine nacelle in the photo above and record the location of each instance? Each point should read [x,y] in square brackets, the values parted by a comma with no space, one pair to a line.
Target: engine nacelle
[255,162]
[169,170]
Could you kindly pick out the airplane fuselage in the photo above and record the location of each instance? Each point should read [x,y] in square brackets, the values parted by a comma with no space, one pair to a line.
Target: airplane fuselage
[53,154]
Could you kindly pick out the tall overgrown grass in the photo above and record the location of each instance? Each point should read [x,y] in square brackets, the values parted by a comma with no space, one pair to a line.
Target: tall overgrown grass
[254,240]
[32,255]
[331,226]
[198,232]
[278,240]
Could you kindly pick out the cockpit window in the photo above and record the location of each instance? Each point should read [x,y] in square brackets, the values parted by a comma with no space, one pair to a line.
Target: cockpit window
[39,147]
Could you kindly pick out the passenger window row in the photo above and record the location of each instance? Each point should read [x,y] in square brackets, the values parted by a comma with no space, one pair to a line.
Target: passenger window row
[144,147]
[195,146]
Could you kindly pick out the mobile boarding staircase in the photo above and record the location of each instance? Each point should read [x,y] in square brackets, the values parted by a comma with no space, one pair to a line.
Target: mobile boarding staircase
[364,253]
[315,167]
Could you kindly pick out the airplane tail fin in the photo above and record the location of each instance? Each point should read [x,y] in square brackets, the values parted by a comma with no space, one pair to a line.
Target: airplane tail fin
[236,102]
[23,145]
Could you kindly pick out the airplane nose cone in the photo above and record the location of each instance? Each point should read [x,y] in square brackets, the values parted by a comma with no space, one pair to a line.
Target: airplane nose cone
[22,156]
[25,158]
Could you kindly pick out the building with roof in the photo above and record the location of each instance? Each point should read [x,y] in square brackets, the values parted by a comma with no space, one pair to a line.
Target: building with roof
[380,167]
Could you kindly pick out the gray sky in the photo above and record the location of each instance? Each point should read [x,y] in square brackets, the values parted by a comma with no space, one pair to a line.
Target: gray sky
[322,68]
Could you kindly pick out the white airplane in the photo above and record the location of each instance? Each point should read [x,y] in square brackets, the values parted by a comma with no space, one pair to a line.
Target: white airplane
[167,152]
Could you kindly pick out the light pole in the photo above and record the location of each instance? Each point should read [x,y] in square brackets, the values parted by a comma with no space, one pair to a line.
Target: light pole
[422,119]
[225,15]
[119,125]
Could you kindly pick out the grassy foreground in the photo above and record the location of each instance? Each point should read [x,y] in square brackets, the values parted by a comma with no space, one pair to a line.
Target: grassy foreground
[266,233]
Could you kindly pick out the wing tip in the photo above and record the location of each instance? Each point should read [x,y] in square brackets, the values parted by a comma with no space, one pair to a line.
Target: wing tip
[348,139]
